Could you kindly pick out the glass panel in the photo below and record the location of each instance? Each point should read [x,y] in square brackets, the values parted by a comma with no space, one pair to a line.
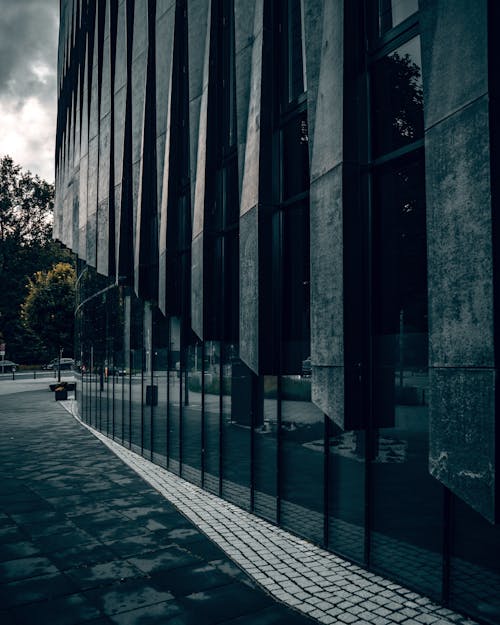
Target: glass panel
[148,382]
[265,434]
[159,391]
[346,495]
[176,391]
[400,260]
[236,427]
[407,502]
[120,378]
[296,68]
[475,565]
[117,367]
[295,157]
[214,378]
[393,12]
[302,439]
[295,278]
[291,53]
[397,99]
[191,414]
[136,375]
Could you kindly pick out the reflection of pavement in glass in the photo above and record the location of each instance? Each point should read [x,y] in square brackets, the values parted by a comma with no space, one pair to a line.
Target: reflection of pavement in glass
[396,551]
[314,581]
[346,538]
[302,521]
[418,567]
[475,588]
[345,445]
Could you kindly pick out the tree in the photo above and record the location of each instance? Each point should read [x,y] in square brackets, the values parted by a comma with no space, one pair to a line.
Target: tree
[48,311]
[26,246]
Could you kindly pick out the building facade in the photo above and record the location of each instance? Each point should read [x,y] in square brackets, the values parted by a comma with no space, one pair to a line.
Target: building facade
[285,217]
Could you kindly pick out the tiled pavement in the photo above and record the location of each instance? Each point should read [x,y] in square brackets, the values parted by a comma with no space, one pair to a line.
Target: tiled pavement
[85,539]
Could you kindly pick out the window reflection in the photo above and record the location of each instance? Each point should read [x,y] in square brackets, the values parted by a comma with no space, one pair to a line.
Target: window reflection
[159,391]
[397,99]
[214,383]
[393,12]
[191,413]
[475,566]
[236,427]
[302,435]
[346,496]
[176,395]
[265,432]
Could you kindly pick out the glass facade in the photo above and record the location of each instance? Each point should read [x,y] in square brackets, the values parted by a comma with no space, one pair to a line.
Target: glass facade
[255,437]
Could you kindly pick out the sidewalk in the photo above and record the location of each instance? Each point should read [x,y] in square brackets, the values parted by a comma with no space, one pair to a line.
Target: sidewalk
[84,539]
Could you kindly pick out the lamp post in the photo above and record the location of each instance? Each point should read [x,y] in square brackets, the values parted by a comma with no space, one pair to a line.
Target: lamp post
[61,349]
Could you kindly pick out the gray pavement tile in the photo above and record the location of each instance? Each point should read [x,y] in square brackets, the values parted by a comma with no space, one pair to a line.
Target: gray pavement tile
[111,531]
[156,614]
[181,581]
[274,615]
[102,574]
[22,549]
[39,529]
[397,617]
[346,617]
[11,534]
[127,596]
[133,545]
[69,610]
[24,568]
[222,603]
[38,516]
[35,589]
[56,542]
[162,560]
[162,514]
[82,555]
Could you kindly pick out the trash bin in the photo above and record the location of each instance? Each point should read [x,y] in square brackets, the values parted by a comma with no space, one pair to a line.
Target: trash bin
[152,395]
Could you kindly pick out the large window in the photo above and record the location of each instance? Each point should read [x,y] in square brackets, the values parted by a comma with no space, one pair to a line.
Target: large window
[222,196]
[406,503]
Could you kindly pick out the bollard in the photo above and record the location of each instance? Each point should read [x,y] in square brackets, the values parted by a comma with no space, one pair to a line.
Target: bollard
[34,375]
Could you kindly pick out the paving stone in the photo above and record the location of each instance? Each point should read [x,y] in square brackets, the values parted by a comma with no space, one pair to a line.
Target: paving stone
[132,557]
[40,588]
[102,574]
[61,611]
[127,596]
[24,568]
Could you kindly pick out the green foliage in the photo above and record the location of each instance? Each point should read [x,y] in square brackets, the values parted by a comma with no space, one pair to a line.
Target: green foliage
[26,246]
[47,312]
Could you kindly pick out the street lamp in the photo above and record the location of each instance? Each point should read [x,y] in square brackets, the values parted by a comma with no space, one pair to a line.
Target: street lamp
[61,349]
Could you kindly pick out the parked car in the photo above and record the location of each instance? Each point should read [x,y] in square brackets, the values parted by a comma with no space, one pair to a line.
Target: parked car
[6,366]
[66,363]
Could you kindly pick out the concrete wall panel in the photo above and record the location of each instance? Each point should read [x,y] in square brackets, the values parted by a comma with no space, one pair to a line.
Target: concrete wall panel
[197,294]
[244,31]
[249,288]
[461,241]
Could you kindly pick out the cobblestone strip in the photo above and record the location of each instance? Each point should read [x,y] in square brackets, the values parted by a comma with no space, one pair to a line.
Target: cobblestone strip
[308,578]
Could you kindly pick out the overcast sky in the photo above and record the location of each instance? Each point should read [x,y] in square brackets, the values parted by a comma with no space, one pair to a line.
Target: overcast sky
[28,67]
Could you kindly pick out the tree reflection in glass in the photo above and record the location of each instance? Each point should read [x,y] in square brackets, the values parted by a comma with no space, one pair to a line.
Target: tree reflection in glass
[397,114]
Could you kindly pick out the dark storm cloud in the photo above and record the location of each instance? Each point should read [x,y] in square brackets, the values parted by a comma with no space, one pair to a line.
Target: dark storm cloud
[28,65]
[28,40]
